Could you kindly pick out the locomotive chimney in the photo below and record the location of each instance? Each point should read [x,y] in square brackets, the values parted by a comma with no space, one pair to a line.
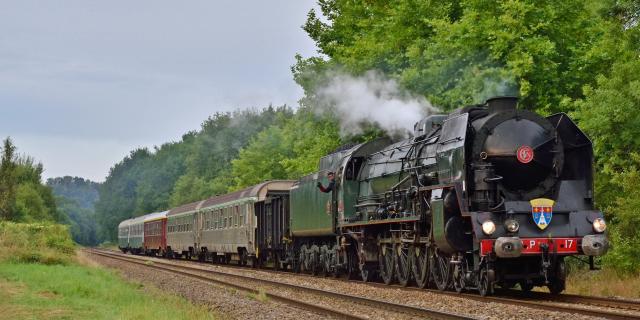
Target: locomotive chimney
[503,103]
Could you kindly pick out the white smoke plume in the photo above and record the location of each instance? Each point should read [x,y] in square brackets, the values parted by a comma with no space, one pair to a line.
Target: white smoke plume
[372,98]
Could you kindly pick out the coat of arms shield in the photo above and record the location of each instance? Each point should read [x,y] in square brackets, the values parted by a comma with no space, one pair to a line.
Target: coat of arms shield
[542,212]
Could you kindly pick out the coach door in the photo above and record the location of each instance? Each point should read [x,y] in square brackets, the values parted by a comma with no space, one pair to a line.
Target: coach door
[197,229]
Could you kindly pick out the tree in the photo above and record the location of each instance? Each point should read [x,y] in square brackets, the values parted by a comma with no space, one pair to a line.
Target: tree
[118,193]
[7,181]
[461,52]
[222,136]
[75,200]
[288,149]
[609,113]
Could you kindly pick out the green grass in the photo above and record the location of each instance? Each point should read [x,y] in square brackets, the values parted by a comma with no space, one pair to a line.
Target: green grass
[606,282]
[36,243]
[37,291]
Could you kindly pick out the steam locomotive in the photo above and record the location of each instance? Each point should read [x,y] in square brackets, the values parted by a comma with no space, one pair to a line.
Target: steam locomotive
[486,195]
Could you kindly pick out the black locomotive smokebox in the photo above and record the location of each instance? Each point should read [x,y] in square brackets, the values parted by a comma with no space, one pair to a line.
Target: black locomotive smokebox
[502,103]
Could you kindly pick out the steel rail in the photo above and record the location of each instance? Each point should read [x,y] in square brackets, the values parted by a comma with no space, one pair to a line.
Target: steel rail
[378,304]
[295,303]
[616,303]
[511,297]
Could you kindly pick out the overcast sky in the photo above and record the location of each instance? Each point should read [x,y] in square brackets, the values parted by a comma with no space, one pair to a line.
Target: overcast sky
[84,82]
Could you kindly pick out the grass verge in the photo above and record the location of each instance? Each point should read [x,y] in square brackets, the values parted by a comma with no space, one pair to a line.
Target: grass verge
[36,243]
[606,283]
[36,291]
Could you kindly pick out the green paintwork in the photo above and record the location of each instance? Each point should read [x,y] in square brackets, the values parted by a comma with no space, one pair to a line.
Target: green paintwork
[347,195]
[450,151]
[311,214]
[123,242]
[437,211]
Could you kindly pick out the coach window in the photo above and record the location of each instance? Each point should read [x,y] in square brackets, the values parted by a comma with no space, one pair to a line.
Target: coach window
[241,210]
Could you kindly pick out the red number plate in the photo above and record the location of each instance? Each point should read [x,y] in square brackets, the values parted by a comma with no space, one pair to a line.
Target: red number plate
[532,245]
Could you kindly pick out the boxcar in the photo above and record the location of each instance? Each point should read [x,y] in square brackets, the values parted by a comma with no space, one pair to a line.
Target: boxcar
[227,224]
[181,239]
[136,235]
[155,233]
[123,235]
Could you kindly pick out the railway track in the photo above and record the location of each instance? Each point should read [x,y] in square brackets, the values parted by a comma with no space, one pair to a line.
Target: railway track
[584,305]
[192,272]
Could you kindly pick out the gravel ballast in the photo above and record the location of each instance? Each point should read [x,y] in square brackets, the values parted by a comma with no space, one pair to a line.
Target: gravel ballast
[417,298]
[229,303]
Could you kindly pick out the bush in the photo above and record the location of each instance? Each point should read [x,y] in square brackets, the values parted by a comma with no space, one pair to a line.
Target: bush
[36,243]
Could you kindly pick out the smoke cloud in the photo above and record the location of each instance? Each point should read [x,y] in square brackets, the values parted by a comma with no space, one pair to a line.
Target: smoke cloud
[372,98]
[497,85]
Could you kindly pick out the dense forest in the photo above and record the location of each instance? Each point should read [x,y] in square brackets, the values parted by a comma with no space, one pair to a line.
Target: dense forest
[75,199]
[24,198]
[579,57]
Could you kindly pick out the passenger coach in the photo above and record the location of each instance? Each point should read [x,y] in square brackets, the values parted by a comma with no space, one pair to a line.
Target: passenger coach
[225,228]
[155,233]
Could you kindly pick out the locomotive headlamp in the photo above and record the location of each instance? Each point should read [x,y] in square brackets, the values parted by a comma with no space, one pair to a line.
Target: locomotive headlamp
[599,225]
[512,225]
[488,227]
